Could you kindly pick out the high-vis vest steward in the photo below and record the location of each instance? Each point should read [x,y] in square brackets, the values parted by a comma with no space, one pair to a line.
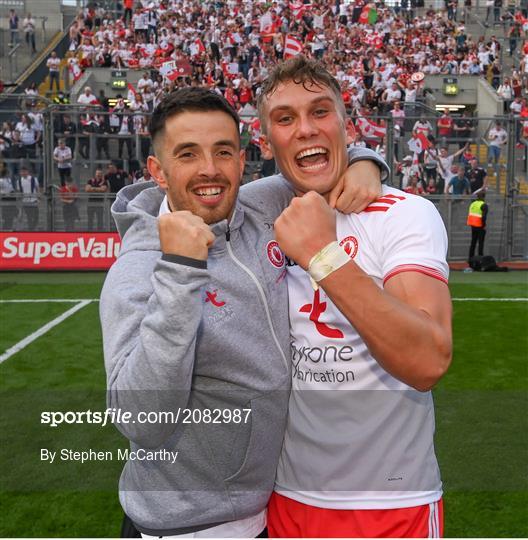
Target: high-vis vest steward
[475,214]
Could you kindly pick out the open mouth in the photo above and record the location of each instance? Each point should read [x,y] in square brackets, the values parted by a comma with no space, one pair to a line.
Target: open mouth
[312,159]
[209,195]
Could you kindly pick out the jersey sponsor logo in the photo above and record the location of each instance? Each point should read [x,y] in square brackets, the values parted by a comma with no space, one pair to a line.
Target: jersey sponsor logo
[212,297]
[275,254]
[310,364]
[316,309]
[350,245]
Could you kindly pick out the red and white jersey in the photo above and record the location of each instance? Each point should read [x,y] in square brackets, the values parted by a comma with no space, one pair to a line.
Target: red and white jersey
[357,438]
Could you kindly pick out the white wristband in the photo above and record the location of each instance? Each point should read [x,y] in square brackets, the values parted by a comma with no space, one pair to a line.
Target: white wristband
[326,261]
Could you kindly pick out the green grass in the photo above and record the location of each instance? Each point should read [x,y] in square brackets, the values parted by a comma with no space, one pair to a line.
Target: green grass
[481,409]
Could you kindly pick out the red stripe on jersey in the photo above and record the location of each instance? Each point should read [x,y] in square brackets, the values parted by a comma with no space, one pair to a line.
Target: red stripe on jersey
[432,272]
[376,208]
[392,196]
[386,200]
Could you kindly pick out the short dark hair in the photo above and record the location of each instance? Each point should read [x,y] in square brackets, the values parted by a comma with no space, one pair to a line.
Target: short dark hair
[192,98]
[300,70]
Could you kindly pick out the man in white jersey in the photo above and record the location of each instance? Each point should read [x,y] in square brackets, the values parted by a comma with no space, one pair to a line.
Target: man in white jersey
[370,316]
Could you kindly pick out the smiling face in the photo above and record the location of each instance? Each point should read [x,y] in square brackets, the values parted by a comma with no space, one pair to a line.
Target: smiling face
[199,163]
[306,133]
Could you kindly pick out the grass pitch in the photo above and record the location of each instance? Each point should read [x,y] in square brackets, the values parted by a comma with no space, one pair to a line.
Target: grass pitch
[481,410]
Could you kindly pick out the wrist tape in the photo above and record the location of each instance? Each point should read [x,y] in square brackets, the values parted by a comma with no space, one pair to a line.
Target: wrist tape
[328,260]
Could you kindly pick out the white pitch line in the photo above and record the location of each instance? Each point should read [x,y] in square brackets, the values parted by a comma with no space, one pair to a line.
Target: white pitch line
[490,299]
[43,300]
[41,331]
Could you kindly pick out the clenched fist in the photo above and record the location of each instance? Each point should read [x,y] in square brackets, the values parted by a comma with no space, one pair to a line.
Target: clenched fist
[305,227]
[183,233]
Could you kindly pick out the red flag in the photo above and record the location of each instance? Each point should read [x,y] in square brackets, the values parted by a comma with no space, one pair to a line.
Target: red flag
[370,129]
[297,9]
[292,47]
[364,17]
[197,47]
[266,23]
[419,142]
[267,27]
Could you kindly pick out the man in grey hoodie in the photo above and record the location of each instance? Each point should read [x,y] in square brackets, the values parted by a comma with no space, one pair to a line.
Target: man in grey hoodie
[195,327]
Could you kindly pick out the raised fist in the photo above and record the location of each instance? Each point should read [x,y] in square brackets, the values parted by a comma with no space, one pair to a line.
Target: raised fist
[305,227]
[183,233]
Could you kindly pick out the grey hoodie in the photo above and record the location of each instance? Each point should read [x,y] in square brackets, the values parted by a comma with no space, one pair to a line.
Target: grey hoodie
[180,335]
[177,336]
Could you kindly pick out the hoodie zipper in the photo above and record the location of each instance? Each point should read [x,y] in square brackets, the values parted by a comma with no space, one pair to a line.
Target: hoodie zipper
[260,290]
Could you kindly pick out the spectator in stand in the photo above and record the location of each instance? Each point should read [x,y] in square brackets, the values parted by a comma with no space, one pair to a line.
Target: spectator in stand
[87,97]
[101,131]
[446,168]
[125,132]
[497,138]
[62,155]
[477,177]
[391,95]
[28,25]
[13,28]
[406,169]
[431,188]
[28,135]
[495,74]
[514,35]
[96,185]
[128,5]
[116,178]
[67,129]
[505,91]
[423,126]
[414,185]
[144,81]
[88,126]
[144,138]
[463,128]
[53,65]
[445,126]
[142,176]
[29,186]
[516,85]
[431,164]
[139,22]
[8,189]
[459,184]
[103,101]
[17,151]
[398,115]
[497,7]
[68,194]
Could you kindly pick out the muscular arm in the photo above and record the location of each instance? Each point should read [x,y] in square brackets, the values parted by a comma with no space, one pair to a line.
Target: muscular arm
[406,325]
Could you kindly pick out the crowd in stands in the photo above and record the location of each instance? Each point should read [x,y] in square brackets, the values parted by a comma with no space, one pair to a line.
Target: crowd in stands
[379,55]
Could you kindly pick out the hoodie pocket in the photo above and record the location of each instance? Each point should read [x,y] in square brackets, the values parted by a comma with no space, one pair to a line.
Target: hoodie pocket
[251,485]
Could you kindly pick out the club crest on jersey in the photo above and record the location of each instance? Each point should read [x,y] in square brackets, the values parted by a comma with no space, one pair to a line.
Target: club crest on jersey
[350,245]
[275,254]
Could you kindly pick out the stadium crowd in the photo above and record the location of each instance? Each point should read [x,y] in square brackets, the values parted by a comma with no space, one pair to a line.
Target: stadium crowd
[378,54]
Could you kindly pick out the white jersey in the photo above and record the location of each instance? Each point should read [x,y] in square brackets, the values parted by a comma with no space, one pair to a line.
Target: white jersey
[357,438]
